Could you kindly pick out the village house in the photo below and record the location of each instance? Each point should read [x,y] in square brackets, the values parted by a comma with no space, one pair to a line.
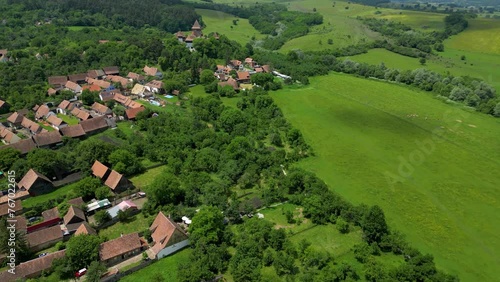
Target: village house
[56,122]
[91,88]
[44,238]
[49,139]
[4,208]
[101,83]
[51,91]
[250,62]
[189,41]
[131,114]
[236,65]
[118,79]
[231,82]
[151,71]
[100,171]
[243,77]
[50,218]
[73,131]
[8,136]
[77,202]
[15,120]
[85,229]
[79,78]
[81,114]
[126,101]
[117,182]
[35,183]
[42,111]
[73,219]
[57,81]
[120,249]
[113,70]
[168,237]
[140,90]
[94,125]
[24,146]
[155,86]
[63,107]
[123,206]
[135,77]
[32,268]
[31,126]
[180,36]
[95,74]
[51,214]
[73,87]
[101,109]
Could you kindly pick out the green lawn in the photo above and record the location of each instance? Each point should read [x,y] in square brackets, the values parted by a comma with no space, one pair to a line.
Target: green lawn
[221,23]
[363,132]
[71,120]
[143,180]
[166,267]
[136,224]
[61,191]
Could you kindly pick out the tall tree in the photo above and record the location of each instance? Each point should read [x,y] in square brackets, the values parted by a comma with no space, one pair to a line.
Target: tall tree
[374,225]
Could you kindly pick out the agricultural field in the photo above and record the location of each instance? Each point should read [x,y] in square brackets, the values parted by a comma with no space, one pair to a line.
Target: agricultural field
[482,36]
[222,23]
[426,163]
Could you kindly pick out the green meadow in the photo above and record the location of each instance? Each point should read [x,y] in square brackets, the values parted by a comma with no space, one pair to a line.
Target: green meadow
[222,23]
[431,166]
[482,36]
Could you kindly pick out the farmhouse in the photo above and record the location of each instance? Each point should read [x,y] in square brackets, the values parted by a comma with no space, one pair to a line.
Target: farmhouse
[118,79]
[24,146]
[50,218]
[168,237]
[100,83]
[56,122]
[155,86]
[95,74]
[51,214]
[139,90]
[35,183]
[131,114]
[135,76]
[63,107]
[100,171]
[81,114]
[117,182]
[114,70]
[49,139]
[4,208]
[231,82]
[119,249]
[73,131]
[58,81]
[73,219]
[79,78]
[76,202]
[44,238]
[101,109]
[243,77]
[15,119]
[123,206]
[42,112]
[51,91]
[8,136]
[151,71]
[94,125]
[32,126]
[32,268]
[86,229]
[73,87]
[91,88]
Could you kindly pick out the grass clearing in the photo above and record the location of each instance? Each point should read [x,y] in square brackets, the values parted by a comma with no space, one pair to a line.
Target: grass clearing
[137,223]
[70,120]
[61,191]
[222,23]
[361,130]
[166,267]
[142,180]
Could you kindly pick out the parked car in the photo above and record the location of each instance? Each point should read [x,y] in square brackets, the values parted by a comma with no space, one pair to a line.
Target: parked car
[81,272]
[142,194]
[42,255]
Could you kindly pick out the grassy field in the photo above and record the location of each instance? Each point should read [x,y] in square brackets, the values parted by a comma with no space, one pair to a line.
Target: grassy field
[482,36]
[62,191]
[165,267]
[143,180]
[71,120]
[136,224]
[221,23]
[368,133]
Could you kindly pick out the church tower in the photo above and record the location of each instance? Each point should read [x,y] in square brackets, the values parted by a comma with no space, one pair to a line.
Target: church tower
[196,29]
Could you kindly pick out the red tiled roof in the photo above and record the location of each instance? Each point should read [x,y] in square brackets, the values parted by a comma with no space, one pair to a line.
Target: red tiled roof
[42,111]
[266,68]
[162,230]
[4,207]
[92,88]
[43,236]
[95,73]
[72,86]
[24,146]
[150,70]
[77,77]
[100,108]
[51,91]
[58,80]
[114,180]
[243,75]
[64,105]
[72,131]
[76,201]
[94,124]
[99,170]
[196,25]
[30,178]
[15,118]
[54,120]
[73,215]
[136,76]
[111,70]
[115,78]
[47,138]
[85,228]
[31,267]
[132,112]
[50,214]
[119,246]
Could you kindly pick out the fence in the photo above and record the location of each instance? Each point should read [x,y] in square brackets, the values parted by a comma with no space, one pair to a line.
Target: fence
[119,275]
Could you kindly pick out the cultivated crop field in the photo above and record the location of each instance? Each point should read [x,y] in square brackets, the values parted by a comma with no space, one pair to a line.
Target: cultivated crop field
[430,166]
